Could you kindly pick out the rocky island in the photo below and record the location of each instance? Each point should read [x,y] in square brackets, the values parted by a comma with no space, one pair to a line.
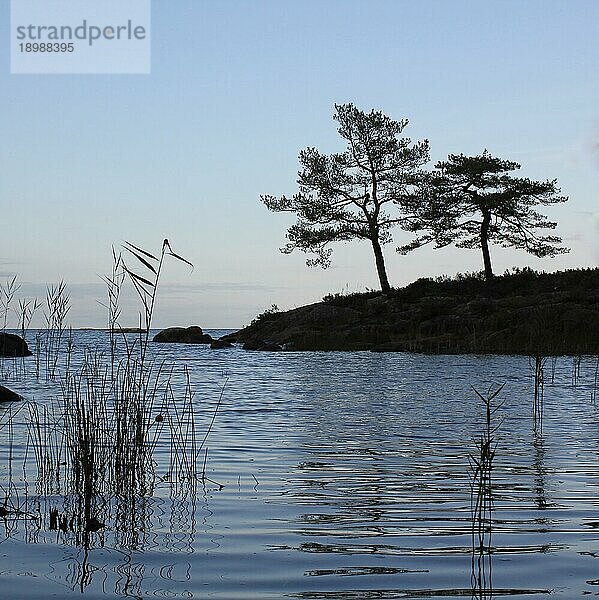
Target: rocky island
[524,312]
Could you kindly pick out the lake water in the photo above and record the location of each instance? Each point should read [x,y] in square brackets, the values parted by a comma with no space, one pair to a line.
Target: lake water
[329,475]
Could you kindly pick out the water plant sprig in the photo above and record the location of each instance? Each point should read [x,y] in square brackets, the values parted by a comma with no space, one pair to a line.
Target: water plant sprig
[481,498]
[146,285]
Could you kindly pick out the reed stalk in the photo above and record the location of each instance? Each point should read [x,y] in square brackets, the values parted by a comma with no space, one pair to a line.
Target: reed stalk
[537,364]
[481,499]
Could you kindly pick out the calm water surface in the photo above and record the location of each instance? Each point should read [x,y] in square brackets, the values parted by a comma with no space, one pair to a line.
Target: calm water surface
[333,475]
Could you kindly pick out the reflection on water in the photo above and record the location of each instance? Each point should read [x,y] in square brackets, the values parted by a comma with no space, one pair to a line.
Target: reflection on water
[345,476]
[540,473]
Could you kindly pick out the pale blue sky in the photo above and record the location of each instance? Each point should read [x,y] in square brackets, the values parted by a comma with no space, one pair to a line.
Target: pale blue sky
[237,89]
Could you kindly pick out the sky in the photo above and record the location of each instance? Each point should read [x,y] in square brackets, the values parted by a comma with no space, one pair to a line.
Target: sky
[236,90]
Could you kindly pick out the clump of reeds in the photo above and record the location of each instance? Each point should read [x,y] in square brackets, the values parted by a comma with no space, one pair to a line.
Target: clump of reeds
[7,294]
[481,498]
[136,399]
[24,312]
[115,414]
[95,447]
[58,305]
[45,440]
[543,344]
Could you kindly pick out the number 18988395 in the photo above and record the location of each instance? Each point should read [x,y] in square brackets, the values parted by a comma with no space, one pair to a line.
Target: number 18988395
[47,47]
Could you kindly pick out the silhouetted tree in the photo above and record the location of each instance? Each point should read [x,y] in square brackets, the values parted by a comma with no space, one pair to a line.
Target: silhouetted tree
[473,201]
[356,194]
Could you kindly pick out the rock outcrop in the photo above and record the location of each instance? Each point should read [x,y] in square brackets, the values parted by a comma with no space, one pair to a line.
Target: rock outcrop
[12,345]
[183,335]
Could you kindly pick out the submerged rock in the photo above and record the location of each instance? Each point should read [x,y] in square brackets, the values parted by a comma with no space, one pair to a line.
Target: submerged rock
[183,335]
[12,345]
[7,395]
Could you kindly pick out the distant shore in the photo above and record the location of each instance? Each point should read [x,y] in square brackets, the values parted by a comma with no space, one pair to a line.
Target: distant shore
[108,330]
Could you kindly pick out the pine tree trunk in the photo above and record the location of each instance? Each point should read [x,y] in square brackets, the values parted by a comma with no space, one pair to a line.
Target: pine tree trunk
[380,265]
[484,242]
